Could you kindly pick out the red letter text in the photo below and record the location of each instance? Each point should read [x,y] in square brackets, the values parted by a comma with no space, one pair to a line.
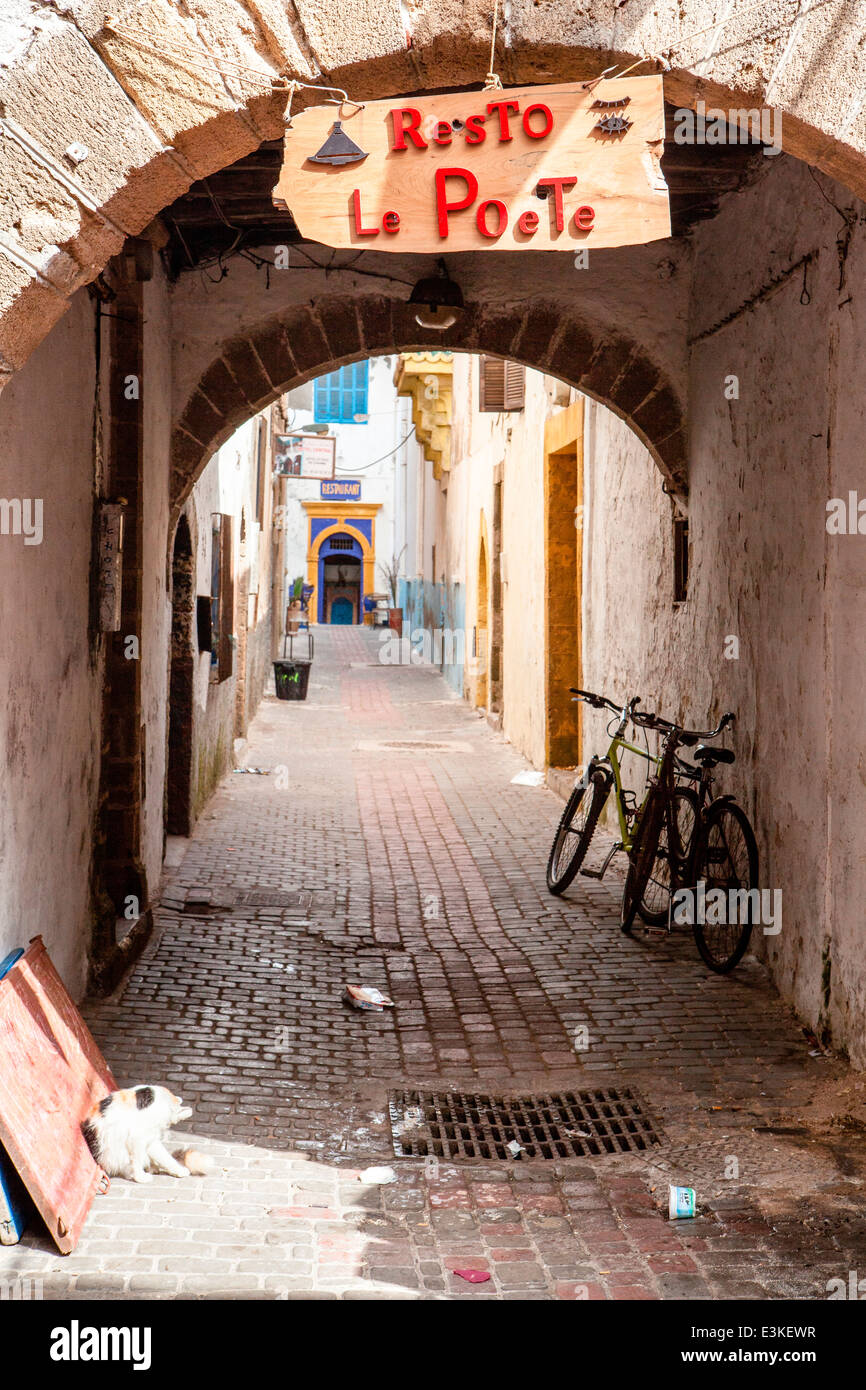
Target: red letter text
[443,207]
[401,130]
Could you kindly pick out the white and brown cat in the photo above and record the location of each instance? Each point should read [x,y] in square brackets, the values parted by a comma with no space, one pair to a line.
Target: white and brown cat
[126,1132]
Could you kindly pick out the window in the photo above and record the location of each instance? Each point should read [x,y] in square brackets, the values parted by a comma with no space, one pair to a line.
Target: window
[342,395]
[341,543]
[502,385]
[222,601]
[681,559]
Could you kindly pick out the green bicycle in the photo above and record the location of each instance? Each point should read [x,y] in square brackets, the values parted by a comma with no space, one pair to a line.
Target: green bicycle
[586,803]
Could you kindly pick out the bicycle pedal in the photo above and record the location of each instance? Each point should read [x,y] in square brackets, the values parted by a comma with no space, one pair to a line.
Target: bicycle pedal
[600,873]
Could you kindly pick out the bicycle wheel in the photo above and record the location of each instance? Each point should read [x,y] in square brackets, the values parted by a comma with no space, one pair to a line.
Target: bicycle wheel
[668,870]
[726,858]
[574,832]
[643,855]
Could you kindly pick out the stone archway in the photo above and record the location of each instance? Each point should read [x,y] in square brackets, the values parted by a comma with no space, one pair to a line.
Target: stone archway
[164,98]
[284,350]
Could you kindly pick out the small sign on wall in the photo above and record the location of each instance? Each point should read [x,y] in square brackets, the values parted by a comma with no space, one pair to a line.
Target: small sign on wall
[110,572]
[342,488]
[305,455]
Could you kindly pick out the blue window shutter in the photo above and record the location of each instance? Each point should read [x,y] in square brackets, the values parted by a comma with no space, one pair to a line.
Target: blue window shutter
[322,402]
[342,395]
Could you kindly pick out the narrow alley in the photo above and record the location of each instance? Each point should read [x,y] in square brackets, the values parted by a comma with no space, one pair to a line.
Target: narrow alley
[432,575]
[376,837]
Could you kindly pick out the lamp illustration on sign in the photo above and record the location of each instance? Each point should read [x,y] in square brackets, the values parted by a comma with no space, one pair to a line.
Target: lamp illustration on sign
[338,149]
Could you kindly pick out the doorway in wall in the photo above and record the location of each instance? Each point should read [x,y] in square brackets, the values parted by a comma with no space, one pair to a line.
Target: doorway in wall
[342,611]
[341,583]
[178,782]
[481,625]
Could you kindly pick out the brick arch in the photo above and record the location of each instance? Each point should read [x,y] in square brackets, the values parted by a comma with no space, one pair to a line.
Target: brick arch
[152,124]
[305,341]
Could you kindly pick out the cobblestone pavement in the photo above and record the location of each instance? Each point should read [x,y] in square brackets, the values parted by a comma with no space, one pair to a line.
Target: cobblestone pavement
[388,846]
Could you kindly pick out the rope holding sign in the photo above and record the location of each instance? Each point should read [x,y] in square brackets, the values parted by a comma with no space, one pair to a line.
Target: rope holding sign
[493,82]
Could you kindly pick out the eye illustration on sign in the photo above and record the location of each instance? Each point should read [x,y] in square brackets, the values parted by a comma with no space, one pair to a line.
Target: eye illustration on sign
[551,168]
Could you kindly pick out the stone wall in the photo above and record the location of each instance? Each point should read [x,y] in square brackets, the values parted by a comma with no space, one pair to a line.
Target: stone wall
[50,677]
[764,570]
[222,709]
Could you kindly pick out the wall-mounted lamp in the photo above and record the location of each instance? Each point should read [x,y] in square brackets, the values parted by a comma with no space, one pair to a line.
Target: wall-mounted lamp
[437,301]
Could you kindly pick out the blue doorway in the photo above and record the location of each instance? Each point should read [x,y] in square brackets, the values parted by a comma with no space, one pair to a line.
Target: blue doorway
[342,611]
[340,572]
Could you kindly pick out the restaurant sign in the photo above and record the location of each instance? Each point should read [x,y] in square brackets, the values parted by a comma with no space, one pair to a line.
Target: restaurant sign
[554,168]
[345,489]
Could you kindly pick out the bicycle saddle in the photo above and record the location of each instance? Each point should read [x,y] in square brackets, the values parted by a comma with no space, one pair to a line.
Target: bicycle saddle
[708,756]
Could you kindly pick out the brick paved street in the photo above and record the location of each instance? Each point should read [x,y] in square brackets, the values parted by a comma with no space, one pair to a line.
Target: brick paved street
[419,869]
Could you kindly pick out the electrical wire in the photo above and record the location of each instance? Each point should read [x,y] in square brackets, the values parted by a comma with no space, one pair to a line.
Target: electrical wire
[364,467]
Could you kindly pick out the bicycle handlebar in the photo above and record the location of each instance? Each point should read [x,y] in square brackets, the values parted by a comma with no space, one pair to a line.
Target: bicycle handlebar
[599,701]
[687,736]
[653,721]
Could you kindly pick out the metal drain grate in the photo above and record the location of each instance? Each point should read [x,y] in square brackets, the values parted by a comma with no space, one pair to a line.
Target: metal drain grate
[575,1124]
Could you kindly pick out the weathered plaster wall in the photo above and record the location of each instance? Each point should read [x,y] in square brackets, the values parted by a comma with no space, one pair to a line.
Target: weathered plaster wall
[228,486]
[49,690]
[764,569]
[507,446]
[524,649]
[156,601]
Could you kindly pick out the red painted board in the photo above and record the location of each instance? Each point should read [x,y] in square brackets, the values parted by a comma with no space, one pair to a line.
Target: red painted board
[51,1074]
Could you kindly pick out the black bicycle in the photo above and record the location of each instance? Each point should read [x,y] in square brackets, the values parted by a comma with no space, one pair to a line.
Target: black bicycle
[687,838]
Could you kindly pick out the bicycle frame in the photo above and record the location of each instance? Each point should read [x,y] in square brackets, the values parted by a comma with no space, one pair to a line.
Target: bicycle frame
[627,820]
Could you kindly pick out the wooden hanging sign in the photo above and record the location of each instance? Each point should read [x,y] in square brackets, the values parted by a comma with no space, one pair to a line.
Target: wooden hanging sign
[530,168]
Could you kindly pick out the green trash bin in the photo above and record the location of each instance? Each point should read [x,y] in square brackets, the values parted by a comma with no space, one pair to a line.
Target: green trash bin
[292,673]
